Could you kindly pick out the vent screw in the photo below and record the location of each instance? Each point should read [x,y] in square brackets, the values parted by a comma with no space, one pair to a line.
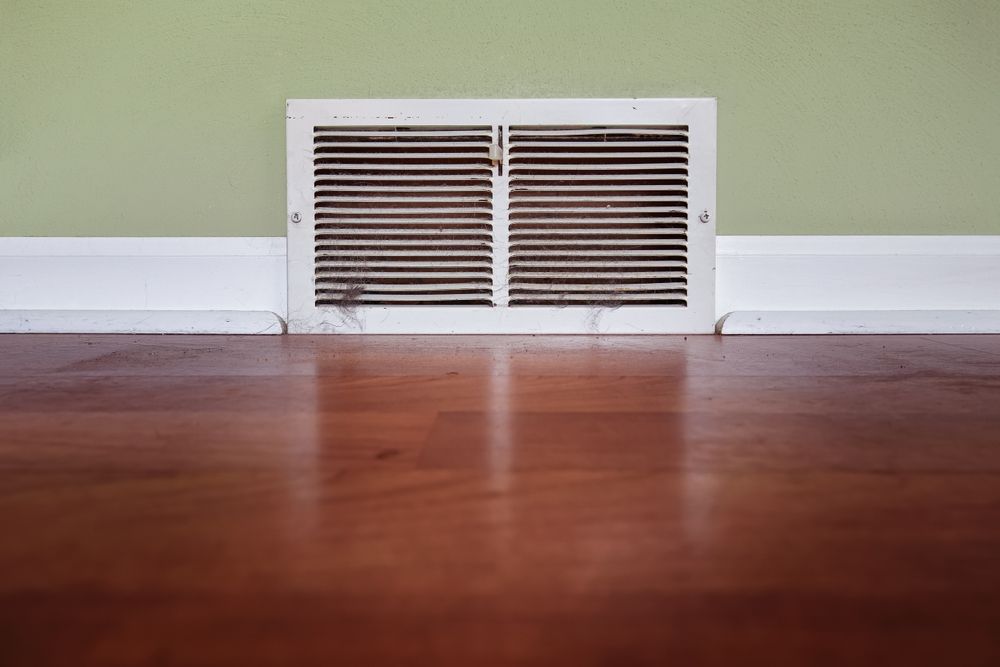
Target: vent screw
[296,217]
[705,216]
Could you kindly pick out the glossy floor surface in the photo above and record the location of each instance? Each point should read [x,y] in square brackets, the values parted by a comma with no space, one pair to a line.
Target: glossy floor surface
[499,501]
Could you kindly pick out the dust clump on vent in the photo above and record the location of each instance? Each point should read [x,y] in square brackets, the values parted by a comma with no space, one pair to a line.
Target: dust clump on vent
[597,310]
[347,302]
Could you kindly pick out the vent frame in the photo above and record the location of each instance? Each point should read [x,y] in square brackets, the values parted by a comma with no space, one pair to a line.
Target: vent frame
[697,316]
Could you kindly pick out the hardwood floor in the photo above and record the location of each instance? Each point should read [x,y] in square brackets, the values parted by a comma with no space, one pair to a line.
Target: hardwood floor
[243,501]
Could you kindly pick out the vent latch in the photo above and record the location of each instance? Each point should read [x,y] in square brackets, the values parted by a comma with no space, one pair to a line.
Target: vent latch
[496,154]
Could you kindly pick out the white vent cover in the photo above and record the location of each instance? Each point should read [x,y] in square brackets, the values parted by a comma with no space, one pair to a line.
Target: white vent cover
[501,216]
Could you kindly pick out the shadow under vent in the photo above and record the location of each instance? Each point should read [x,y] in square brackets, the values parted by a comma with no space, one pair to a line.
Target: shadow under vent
[598,215]
[403,215]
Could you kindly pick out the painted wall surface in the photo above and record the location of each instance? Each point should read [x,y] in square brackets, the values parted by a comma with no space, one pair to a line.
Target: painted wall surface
[125,118]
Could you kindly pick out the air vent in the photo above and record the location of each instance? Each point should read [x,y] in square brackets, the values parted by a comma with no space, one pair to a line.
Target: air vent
[403,215]
[501,216]
[598,215]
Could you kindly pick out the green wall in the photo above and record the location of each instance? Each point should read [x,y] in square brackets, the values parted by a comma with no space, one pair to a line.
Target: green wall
[166,118]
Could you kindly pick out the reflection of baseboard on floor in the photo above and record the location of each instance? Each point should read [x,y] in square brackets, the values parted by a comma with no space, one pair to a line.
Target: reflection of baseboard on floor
[778,322]
[141,321]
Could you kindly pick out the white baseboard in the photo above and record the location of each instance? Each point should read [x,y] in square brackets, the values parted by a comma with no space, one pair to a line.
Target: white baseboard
[754,273]
[847,273]
[141,321]
[95,273]
[811,322]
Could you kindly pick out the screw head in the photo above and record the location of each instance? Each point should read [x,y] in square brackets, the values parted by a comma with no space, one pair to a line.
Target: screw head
[296,217]
[705,216]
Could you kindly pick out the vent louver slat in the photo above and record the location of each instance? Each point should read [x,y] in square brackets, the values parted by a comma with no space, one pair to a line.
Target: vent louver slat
[403,215]
[598,215]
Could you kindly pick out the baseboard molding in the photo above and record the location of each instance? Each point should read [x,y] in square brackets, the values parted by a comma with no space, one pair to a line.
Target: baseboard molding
[846,273]
[141,321]
[754,273]
[791,322]
[81,274]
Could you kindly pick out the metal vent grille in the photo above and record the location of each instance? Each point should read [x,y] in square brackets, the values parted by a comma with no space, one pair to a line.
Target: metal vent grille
[403,215]
[559,216]
[598,215]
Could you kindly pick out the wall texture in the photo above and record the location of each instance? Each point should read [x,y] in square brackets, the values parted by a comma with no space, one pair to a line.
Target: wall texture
[166,118]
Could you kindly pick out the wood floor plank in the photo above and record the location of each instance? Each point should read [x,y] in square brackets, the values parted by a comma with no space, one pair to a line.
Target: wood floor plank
[108,355]
[966,394]
[380,533]
[165,440]
[311,500]
[717,441]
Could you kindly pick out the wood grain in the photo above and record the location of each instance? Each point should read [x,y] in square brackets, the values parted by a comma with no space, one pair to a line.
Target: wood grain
[499,501]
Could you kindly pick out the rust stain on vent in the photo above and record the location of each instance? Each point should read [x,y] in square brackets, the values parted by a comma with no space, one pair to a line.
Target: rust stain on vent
[403,216]
[598,215]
